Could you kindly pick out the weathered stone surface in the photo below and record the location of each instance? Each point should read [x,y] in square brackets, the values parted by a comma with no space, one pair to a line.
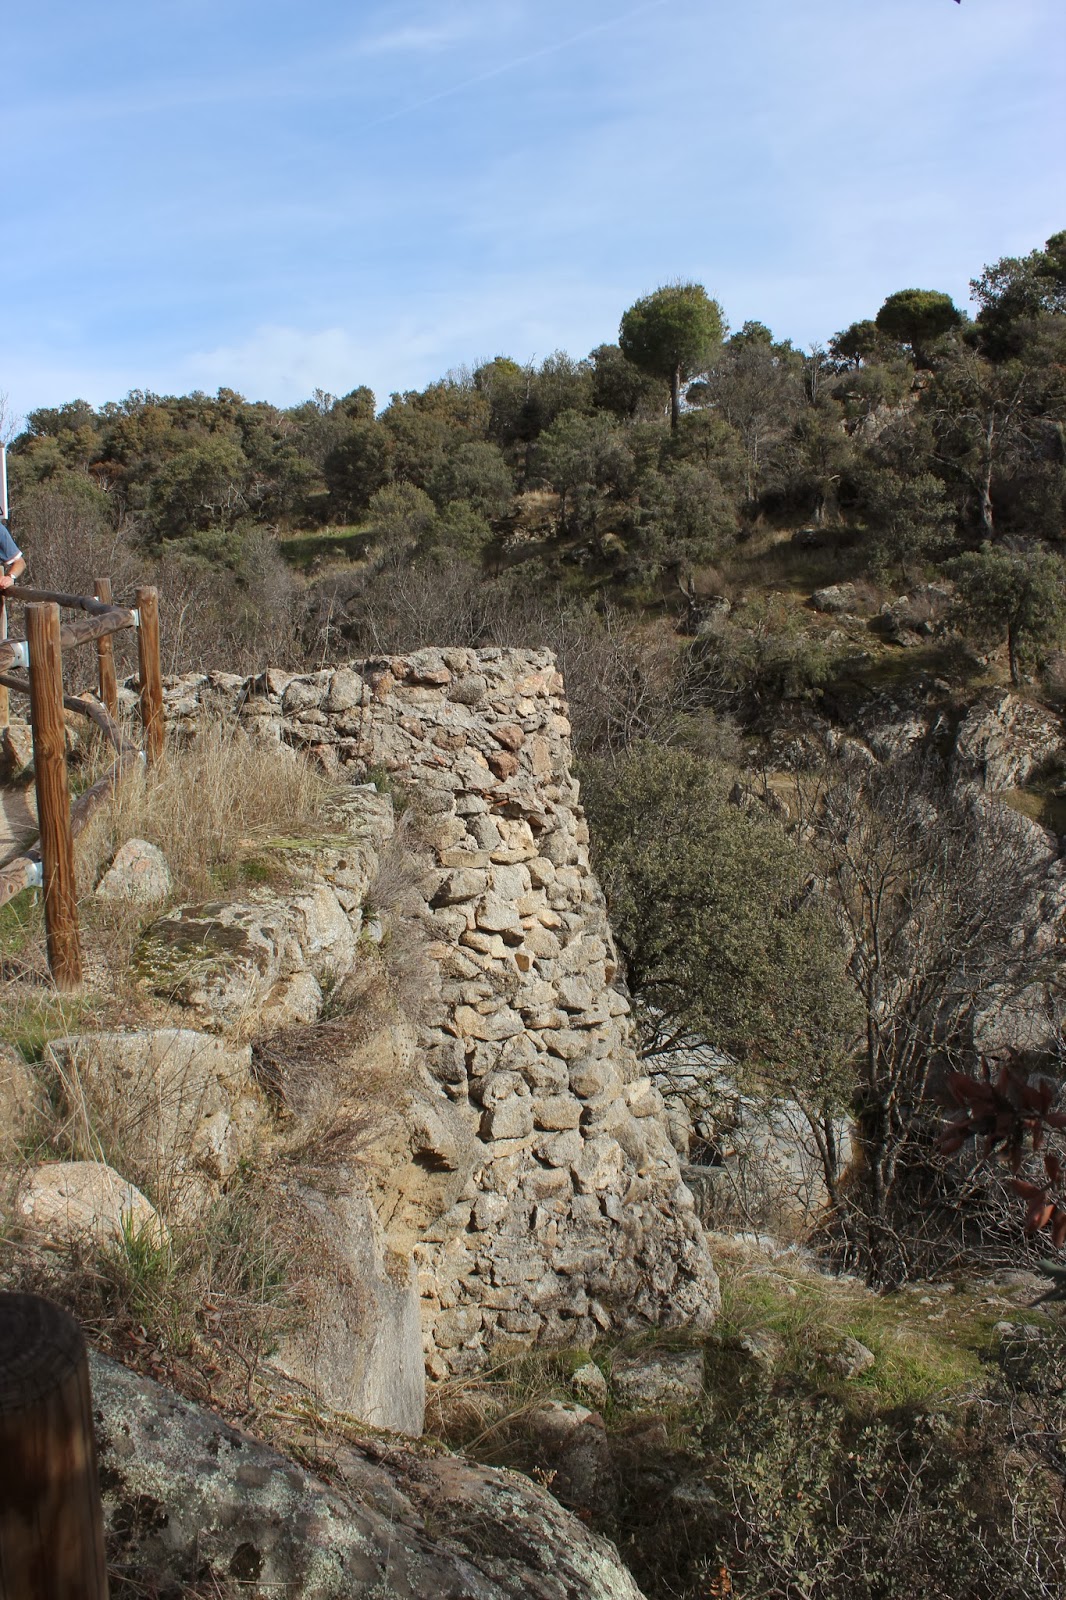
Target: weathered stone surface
[16,750]
[1002,743]
[138,875]
[838,597]
[763,1348]
[670,1378]
[528,1044]
[359,1344]
[292,1000]
[180,1105]
[589,1382]
[850,1359]
[224,960]
[511,1120]
[465,883]
[61,1203]
[557,1112]
[188,1499]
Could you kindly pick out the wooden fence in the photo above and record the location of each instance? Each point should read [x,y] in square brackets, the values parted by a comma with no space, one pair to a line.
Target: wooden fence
[51,1520]
[50,863]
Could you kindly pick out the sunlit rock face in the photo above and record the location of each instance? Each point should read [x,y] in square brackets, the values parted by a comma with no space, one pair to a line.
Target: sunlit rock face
[568,1217]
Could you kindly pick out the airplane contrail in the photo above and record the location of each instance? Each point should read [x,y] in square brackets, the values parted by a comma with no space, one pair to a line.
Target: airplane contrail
[517,61]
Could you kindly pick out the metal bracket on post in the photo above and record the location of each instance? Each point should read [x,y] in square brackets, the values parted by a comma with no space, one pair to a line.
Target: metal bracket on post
[35,875]
[21,647]
[136,615]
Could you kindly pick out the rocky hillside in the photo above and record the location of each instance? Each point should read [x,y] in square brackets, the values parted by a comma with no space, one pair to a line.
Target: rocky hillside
[403,1052]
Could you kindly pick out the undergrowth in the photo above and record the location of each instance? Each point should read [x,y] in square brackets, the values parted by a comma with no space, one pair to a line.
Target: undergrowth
[928,1475]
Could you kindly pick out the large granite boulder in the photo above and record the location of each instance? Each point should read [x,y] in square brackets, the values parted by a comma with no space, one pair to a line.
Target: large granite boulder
[189,1500]
[1001,743]
[60,1204]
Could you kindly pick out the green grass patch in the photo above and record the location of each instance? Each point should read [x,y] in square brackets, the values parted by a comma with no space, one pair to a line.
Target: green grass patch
[924,1352]
[21,924]
[1049,810]
[306,551]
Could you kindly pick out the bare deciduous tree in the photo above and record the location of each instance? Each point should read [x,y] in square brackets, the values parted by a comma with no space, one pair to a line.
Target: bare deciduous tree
[938,892]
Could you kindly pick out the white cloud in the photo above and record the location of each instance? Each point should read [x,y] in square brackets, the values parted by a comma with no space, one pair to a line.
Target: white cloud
[416,40]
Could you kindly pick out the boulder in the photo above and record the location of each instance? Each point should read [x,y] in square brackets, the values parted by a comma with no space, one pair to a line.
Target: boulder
[589,1382]
[850,1359]
[180,1105]
[227,961]
[668,1378]
[138,875]
[835,599]
[1000,744]
[64,1203]
[189,1500]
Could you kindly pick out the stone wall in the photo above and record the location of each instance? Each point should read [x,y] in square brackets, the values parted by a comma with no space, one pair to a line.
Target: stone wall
[573,1221]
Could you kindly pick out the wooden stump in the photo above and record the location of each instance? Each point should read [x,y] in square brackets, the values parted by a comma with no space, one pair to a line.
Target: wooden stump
[51,1522]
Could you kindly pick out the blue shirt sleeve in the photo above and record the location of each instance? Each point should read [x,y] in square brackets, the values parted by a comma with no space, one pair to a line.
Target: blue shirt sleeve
[9,550]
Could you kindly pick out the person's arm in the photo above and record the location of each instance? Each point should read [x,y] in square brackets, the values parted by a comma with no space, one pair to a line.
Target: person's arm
[12,562]
[12,570]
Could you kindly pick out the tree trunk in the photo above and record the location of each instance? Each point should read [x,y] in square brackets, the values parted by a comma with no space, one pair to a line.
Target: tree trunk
[675,398]
[987,520]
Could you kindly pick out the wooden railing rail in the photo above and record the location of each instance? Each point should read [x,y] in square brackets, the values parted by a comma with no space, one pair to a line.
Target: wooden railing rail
[50,864]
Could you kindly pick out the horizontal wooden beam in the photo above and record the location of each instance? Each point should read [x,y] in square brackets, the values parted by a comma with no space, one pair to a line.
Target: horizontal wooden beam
[74,602]
[73,634]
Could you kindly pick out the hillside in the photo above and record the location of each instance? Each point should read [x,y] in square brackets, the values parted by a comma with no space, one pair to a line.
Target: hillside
[332,1040]
[567,1089]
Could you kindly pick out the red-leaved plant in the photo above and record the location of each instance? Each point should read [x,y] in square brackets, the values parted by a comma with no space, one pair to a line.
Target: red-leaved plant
[1011,1116]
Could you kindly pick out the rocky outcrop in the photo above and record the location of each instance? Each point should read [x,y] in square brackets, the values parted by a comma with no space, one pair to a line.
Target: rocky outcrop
[189,1500]
[180,1105]
[60,1204]
[1002,743]
[138,875]
[571,1219]
[836,600]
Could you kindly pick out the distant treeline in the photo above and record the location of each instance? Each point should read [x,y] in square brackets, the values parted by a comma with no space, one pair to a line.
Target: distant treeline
[926,433]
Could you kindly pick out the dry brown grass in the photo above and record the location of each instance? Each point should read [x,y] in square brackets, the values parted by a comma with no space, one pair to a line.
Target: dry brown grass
[212,802]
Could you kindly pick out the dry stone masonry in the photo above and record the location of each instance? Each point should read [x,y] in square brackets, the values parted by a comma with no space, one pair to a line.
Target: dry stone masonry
[567,1217]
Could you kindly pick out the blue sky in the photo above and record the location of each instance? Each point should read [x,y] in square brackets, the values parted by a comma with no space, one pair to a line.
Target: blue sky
[272,197]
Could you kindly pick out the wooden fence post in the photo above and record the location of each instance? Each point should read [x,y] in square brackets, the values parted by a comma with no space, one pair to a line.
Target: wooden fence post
[105,655]
[53,794]
[151,676]
[51,1522]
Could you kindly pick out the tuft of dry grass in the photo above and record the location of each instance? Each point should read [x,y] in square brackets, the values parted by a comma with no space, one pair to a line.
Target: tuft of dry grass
[211,802]
[202,1310]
